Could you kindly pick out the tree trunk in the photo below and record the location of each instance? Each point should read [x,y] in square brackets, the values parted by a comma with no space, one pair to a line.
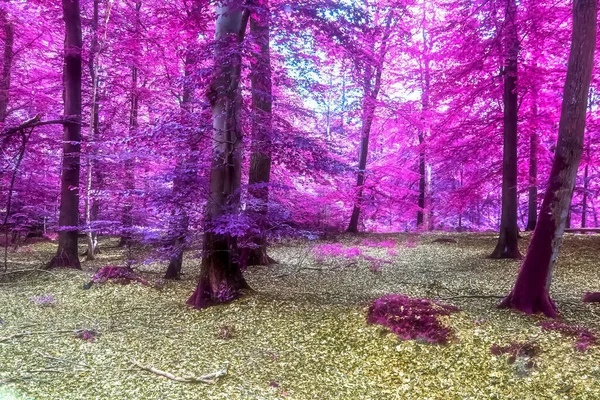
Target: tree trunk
[370,93]
[185,173]
[92,237]
[531,291]
[508,246]
[7,59]
[68,219]
[126,216]
[533,148]
[221,279]
[585,196]
[260,159]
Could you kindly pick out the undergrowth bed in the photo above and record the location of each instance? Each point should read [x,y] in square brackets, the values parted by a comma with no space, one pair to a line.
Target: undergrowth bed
[303,333]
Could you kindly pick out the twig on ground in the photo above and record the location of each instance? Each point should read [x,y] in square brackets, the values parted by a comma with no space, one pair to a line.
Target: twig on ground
[208,378]
[63,360]
[31,333]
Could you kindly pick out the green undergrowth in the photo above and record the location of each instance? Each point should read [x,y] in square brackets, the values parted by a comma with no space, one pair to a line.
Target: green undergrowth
[302,333]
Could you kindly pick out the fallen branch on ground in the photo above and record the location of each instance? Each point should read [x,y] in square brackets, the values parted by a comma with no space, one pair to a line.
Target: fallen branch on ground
[208,378]
[23,334]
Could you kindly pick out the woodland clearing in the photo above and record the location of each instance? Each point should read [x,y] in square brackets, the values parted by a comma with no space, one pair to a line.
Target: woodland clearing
[301,334]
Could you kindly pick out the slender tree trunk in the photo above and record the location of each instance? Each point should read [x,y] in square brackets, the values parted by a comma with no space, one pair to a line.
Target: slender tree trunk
[424,213]
[185,173]
[508,246]
[370,93]
[92,239]
[531,291]
[68,220]
[9,38]
[221,279]
[585,197]
[533,148]
[260,159]
[127,216]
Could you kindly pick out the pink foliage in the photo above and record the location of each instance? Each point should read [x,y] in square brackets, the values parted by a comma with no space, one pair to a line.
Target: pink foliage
[121,275]
[585,337]
[411,318]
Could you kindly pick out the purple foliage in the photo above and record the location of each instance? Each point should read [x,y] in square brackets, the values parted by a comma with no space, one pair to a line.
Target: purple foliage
[516,349]
[585,337]
[336,249]
[411,318]
[386,243]
[44,300]
[116,274]
[87,335]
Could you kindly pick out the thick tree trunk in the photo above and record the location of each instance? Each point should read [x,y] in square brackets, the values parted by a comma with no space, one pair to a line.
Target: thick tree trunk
[221,279]
[260,159]
[92,239]
[7,59]
[127,216]
[531,291]
[508,246]
[67,255]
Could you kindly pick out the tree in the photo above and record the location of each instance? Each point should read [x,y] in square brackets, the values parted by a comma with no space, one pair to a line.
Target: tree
[530,293]
[262,104]
[372,72]
[67,254]
[7,59]
[508,245]
[127,216]
[221,279]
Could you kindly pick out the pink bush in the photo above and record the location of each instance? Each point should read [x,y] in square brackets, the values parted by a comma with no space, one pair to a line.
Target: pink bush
[411,318]
[121,275]
[585,337]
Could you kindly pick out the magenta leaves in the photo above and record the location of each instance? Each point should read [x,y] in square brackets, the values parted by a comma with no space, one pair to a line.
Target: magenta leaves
[411,318]
[121,275]
[585,337]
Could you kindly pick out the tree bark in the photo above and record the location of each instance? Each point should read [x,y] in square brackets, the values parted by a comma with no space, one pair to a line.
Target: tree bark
[260,159]
[531,291]
[370,93]
[221,279]
[533,148]
[185,173]
[127,216]
[7,59]
[508,246]
[585,196]
[92,237]
[67,255]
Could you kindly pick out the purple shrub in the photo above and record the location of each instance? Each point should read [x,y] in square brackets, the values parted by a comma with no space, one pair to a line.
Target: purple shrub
[121,275]
[516,349]
[585,337]
[411,318]
[46,300]
[336,250]
[390,244]
[87,335]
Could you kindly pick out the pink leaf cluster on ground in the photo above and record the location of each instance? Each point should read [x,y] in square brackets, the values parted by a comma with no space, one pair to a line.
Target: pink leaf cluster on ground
[116,274]
[585,337]
[411,318]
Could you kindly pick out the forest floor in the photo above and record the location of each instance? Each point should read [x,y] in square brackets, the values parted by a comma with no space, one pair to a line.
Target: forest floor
[302,333]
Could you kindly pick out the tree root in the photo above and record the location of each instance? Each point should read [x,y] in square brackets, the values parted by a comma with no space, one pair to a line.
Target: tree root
[208,378]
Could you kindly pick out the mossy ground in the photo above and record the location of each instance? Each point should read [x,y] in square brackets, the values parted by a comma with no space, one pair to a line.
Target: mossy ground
[302,333]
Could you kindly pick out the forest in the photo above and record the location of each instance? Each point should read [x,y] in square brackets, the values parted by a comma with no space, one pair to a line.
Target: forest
[299,199]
